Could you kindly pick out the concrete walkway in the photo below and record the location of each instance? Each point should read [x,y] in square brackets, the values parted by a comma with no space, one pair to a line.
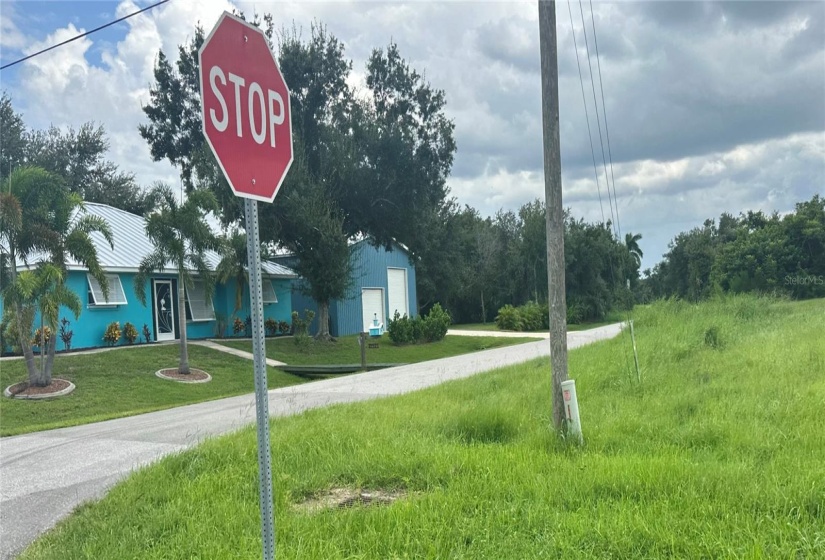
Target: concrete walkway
[44,475]
[234,351]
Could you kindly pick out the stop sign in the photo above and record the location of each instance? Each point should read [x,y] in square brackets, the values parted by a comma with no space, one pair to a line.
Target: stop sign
[245,104]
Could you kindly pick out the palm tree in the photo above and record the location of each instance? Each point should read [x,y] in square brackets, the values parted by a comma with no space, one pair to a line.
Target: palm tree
[70,237]
[40,218]
[50,293]
[234,258]
[631,242]
[233,264]
[181,238]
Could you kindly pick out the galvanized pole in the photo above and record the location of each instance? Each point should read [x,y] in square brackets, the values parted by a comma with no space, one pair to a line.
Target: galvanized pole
[261,397]
[555,216]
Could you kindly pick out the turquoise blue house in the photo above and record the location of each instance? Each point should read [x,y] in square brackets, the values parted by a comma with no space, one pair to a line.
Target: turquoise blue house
[382,283]
[204,317]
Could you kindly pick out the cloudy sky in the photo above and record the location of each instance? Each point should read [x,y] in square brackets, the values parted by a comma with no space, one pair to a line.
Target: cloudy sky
[710,106]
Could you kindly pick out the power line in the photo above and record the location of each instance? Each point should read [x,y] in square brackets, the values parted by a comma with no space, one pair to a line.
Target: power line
[598,120]
[586,115]
[592,150]
[604,112]
[95,30]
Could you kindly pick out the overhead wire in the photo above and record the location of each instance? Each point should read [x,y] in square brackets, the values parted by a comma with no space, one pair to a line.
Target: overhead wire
[586,113]
[604,112]
[598,119]
[81,35]
[616,232]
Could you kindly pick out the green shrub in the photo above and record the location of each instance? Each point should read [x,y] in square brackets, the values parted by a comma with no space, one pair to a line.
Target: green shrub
[575,312]
[271,326]
[508,319]
[402,329]
[531,316]
[42,337]
[534,317]
[112,334]
[432,328]
[300,327]
[66,334]
[238,326]
[435,324]
[284,327]
[130,333]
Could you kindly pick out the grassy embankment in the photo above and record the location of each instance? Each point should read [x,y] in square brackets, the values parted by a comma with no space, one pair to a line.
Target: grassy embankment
[717,454]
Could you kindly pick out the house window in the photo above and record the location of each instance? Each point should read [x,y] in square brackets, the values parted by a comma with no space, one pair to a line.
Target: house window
[198,307]
[96,296]
[269,295]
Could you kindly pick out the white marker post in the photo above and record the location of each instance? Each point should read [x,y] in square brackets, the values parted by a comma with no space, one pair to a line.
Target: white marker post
[571,409]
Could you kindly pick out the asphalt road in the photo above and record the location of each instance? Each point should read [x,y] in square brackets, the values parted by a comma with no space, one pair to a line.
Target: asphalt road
[45,475]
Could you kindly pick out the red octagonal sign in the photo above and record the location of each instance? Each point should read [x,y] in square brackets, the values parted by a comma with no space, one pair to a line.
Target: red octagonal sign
[246,115]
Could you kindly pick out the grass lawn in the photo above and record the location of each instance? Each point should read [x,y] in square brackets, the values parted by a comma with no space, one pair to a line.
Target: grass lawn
[347,351]
[122,383]
[718,453]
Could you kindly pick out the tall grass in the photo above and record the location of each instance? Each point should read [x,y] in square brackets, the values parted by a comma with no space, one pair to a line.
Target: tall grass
[718,453]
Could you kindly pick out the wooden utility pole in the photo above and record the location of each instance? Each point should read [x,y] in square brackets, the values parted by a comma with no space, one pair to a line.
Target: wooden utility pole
[552,193]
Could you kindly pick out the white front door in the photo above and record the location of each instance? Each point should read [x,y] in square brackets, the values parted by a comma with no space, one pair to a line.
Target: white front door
[164,309]
[372,306]
[397,294]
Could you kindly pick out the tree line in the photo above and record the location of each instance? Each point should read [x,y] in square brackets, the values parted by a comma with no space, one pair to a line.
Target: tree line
[754,252]
[476,265]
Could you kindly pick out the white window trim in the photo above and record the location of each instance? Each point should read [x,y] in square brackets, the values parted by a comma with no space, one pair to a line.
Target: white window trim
[114,285]
[211,305]
[264,282]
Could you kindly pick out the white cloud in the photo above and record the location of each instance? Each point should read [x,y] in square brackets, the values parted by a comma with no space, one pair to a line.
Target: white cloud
[11,38]
[705,117]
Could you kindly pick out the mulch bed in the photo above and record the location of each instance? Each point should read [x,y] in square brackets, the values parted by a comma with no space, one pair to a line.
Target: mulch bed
[193,377]
[22,389]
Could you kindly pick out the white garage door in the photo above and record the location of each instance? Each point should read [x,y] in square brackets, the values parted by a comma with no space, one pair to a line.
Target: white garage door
[397,283]
[372,305]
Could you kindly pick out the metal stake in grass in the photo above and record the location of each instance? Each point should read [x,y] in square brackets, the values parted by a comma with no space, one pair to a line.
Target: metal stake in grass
[635,354]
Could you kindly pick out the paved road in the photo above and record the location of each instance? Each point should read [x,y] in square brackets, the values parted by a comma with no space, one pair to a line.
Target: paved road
[499,334]
[44,475]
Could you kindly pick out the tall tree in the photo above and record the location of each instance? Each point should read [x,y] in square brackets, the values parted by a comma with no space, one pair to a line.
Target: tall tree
[76,156]
[631,242]
[181,238]
[380,164]
[12,138]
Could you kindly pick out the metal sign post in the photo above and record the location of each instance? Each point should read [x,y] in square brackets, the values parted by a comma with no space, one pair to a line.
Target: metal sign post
[248,126]
[261,387]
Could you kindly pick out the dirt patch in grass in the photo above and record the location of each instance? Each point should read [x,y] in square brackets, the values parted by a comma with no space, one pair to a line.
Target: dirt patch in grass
[339,498]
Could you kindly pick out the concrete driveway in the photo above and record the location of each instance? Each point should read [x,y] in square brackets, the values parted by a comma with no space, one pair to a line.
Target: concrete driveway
[45,475]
